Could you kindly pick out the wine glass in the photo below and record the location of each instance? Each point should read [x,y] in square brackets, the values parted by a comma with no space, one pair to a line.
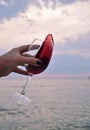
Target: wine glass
[43,51]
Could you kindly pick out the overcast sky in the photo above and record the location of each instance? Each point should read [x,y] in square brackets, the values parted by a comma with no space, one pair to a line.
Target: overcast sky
[68,20]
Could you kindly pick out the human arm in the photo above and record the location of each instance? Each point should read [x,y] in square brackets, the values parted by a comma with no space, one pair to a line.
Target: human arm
[10,61]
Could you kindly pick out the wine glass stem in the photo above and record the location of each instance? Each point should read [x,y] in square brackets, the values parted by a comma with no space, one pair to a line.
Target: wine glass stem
[26,84]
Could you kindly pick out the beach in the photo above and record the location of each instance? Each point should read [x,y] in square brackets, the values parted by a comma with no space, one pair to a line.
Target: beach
[56,104]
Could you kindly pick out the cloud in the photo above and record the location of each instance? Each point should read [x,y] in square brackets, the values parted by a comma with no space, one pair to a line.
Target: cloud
[63,21]
[11,8]
[3,3]
[79,47]
[67,21]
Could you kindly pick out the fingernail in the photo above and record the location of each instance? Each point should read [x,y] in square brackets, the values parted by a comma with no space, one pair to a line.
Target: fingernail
[39,62]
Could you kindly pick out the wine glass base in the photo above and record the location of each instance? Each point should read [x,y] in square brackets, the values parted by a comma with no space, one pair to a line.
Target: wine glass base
[21,99]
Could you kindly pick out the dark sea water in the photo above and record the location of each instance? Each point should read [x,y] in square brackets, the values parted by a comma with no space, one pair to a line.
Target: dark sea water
[57,104]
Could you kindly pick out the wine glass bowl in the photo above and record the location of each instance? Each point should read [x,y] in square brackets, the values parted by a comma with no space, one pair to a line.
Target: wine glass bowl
[44,54]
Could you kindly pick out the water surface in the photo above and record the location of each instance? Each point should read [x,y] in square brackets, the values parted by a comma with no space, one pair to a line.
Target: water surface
[57,104]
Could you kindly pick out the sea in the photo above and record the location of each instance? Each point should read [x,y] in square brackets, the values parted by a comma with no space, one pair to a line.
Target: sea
[56,104]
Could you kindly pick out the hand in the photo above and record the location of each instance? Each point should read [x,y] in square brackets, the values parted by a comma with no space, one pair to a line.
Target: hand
[10,61]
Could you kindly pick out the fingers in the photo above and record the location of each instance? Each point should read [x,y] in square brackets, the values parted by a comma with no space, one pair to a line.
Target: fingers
[25,48]
[29,60]
[26,55]
[20,71]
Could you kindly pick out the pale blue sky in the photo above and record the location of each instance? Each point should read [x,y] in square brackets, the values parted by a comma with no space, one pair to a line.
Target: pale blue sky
[67,20]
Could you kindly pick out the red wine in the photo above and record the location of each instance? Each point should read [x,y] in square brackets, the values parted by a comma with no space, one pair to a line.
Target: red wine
[44,54]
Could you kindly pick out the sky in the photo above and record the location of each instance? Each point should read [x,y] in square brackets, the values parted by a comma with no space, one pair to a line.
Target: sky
[67,20]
